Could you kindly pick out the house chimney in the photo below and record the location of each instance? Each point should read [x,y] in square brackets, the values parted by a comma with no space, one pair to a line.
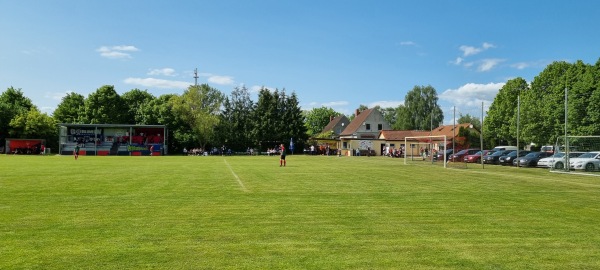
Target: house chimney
[330,118]
[356,113]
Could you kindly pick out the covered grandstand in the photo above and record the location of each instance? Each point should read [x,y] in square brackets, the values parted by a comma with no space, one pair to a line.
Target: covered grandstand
[113,139]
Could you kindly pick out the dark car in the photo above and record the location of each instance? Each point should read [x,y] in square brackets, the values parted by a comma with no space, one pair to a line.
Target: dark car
[459,157]
[495,157]
[508,159]
[440,154]
[531,159]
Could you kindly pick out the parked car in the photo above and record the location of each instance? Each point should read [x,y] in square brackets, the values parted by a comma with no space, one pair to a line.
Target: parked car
[589,161]
[510,157]
[459,157]
[495,157]
[504,148]
[476,158]
[531,159]
[440,154]
[557,161]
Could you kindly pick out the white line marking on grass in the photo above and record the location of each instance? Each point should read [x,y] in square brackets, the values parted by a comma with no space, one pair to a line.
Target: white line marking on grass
[236,177]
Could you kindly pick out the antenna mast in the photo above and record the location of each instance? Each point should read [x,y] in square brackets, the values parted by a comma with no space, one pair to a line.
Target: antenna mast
[196,77]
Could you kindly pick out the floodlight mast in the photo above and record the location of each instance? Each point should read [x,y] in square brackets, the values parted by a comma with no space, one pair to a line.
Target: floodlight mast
[567,164]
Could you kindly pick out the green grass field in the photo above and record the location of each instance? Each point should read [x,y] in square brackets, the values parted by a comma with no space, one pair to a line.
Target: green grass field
[316,213]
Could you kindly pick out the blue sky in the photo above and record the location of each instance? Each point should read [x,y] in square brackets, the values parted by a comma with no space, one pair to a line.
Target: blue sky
[337,54]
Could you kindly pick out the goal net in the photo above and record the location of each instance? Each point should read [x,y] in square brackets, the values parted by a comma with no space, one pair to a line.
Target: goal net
[426,150]
[575,154]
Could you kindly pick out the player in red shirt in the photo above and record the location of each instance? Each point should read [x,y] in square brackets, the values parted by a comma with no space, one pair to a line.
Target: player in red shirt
[282,158]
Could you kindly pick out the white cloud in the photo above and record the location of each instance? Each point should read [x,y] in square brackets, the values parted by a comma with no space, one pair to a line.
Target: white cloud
[472,94]
[117,52]
[127,48]
[338,106]
[488,45]
[162,71]
[521,65]
[470,50]
[408,43]
[47,110]
[58,96]
[488,64]
[257,88]
[222,80]
[219,79]
[386,104]
[524,65]
[458,61]
[335,104]
[158,83]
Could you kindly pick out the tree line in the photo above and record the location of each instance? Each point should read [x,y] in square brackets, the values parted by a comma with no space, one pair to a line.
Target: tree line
[203,116]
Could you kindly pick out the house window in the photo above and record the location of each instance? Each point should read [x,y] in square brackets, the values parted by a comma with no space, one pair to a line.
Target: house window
[344,145]
[379,126]
[368,126]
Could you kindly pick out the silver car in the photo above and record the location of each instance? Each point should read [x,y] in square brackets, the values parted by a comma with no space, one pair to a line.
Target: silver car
[589,161]
[557,161]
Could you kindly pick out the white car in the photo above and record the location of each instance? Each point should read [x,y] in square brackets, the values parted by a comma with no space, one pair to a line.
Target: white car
[557,161]
[589,161]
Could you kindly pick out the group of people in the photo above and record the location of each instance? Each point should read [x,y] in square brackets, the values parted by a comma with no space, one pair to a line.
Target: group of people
[194,152]
[323,149]
[393,152]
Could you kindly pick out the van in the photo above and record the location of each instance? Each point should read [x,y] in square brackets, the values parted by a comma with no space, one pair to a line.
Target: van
[504,148]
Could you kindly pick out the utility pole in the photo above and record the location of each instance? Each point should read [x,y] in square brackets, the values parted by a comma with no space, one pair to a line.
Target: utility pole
[196,77]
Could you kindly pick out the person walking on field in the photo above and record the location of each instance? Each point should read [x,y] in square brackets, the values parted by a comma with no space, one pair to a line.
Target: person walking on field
[282,157]
[76,151]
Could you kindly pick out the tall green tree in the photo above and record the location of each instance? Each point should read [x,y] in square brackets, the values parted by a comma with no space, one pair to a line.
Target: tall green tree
[70,109]
[33,124]
[137,103]
[401,123]
[294,122]
[278,118]
[318,118]
[542,106]
[501,122]
[199,108]
[420,110]
[265,118]
[12,103]
[235,125]
[583,113]
[390,114]
[180,134]
[105,106]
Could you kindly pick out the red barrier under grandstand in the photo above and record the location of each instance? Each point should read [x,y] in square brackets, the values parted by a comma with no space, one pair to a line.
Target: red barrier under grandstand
[24,146]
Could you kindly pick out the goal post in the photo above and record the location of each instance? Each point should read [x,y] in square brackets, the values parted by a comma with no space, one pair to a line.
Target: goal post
[425,148]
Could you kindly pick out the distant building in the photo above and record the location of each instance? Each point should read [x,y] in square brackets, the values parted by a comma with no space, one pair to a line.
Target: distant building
[113,139]
[362,133]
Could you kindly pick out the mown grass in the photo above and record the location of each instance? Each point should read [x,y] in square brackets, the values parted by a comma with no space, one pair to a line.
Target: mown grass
[316,213]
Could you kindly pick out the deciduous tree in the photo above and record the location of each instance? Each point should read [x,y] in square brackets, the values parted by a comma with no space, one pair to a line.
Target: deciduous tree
[199,108]
[318,118]
[70,109]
